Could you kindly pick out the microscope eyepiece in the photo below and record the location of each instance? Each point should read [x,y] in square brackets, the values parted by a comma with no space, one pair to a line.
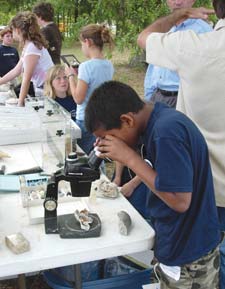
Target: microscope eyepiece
[94,161]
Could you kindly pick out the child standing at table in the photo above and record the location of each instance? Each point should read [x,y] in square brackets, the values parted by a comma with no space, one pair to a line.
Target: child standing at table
[91,74]
[9,55]
[182,201]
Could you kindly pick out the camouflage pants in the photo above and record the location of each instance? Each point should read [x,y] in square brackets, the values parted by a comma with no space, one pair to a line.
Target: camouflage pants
[201,274]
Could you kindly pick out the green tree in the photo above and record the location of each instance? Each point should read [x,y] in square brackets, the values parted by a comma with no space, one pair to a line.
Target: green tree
[128,16]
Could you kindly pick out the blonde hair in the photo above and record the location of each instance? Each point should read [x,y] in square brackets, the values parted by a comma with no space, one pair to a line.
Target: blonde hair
[52,73]
[27,23]
[99,34]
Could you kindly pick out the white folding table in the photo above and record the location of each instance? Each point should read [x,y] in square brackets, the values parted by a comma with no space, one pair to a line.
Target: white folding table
[50,251]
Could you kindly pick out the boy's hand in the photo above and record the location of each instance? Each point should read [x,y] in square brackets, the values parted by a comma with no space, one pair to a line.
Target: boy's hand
[127,189]
[115,149]
[117,181]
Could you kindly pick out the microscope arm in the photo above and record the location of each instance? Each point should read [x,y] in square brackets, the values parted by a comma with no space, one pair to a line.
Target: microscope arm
[79,174]
[50,206]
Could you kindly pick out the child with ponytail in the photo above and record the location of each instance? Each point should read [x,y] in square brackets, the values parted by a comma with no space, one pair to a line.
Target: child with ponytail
[91,74]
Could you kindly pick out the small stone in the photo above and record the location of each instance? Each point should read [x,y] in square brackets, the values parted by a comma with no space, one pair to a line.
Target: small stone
[17,243]
[124,223]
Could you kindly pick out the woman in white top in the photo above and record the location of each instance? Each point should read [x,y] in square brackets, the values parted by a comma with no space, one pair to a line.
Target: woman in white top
[35,59]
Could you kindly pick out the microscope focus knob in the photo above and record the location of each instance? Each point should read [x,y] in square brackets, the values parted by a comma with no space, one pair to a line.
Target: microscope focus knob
[50,204]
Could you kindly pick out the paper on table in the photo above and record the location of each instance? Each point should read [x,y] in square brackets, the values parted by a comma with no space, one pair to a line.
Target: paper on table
[9,184]
[23,157]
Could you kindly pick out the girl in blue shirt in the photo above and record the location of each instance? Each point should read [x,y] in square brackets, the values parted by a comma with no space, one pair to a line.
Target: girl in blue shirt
[91,74]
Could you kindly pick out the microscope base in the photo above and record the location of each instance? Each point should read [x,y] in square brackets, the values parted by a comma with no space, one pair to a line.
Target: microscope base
[69,227]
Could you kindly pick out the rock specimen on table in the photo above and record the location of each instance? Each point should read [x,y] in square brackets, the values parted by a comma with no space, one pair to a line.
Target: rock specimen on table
[83,218]
[124,223]
[4,155]
[105,188]
[17,243]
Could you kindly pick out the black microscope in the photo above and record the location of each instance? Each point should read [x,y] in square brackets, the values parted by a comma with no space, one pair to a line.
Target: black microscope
[80,172]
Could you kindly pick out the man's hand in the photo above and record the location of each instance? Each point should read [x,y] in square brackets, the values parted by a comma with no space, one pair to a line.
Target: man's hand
[164,24]
[202,13]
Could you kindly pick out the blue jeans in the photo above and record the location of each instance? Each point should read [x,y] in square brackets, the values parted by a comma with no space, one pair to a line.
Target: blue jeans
[221,214]
[87,139]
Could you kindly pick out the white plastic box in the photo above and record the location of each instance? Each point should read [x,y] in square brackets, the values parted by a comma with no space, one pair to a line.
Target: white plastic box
[19,125]
[58,129]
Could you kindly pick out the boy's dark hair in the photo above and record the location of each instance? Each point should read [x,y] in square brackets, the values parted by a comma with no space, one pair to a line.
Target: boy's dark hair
[219,6]
[44,10]
[108,102]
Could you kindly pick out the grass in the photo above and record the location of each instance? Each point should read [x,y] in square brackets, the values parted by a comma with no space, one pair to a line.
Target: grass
[133,76]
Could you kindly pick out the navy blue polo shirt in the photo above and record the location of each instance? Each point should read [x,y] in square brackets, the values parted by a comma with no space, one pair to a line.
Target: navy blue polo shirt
[69,104]
[9,58]
[179,155]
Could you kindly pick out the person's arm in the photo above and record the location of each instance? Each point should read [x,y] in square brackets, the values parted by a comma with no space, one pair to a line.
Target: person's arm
[13,73]
[17,56]
[118,173]
[117,150]
[78,87]
[30,64]
[164,24]
[128,188]
[178,201]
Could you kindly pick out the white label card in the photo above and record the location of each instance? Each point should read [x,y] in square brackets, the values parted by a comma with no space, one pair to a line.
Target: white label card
[151,286]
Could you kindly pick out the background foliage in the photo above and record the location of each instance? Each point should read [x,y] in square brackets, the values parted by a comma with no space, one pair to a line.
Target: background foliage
[126,17]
